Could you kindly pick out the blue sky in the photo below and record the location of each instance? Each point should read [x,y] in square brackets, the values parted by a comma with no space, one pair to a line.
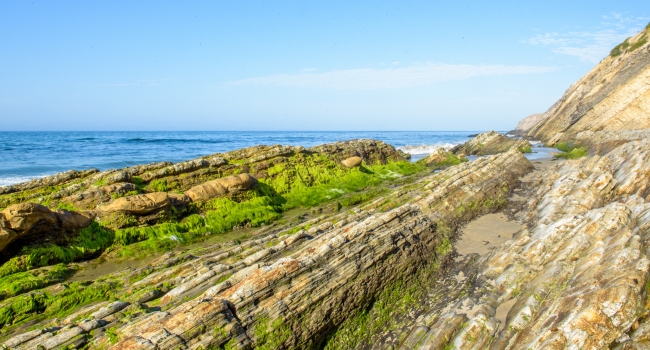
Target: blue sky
[286,65]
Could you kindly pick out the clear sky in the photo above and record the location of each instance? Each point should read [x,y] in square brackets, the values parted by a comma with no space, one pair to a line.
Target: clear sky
[288,65]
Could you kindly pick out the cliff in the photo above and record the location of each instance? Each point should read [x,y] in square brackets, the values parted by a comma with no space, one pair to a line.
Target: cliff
[613,96]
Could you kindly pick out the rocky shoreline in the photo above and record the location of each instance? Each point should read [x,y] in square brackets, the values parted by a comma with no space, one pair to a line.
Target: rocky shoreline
[349,245]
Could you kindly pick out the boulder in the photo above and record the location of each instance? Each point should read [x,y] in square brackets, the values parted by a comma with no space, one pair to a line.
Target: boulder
[352,162]
[141,204]
[20,219]
[23,217]
[221,187]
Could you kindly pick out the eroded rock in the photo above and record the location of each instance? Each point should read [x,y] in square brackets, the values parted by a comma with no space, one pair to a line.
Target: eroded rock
[141,204]
[221,187]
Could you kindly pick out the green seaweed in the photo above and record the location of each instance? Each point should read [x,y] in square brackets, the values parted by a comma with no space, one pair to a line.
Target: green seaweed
[570,151]
[45,304]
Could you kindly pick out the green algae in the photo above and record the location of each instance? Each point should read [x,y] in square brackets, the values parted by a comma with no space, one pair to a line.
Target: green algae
[49,304]
[22,282]
[570,151]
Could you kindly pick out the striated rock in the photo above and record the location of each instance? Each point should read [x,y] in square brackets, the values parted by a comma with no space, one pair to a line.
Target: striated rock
[295,287]
[109,309]
[442,157]
[184,167]
[490,142]
[575,277]
[48,180]
[612,96]
[351,162]
[526,124]
[221,187]
[141,204]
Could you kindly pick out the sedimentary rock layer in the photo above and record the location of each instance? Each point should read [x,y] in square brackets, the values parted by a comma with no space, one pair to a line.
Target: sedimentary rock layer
[288,289]
[575,278]
[612,96]
[490,142]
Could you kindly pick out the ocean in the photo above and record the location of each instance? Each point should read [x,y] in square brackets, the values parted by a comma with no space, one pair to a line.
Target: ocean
[29,155]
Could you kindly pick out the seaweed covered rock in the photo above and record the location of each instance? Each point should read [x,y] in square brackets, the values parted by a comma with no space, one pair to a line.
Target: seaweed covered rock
[491,142]
[443,158]
[288,287]
[371,151]
[221,187]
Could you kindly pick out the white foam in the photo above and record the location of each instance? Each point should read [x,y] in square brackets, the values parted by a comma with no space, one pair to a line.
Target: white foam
[426,149]
[16,179]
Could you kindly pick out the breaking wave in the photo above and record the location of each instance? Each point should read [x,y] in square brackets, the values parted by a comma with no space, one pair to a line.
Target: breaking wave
[426,149]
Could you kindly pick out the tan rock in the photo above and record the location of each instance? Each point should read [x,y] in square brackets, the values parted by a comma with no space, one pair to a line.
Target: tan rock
[352,162]
[71,220]
[141,204]
[439,156]
[221,187]
[23,217]
[614,95]
[490,142]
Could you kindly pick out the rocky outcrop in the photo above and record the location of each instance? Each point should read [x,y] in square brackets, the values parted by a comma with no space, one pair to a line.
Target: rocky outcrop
[443,158]
[25,219]
[141,204]
[371,151]
[612,96]
[52,180]
[221,187]
[490,142]
[288,288]
[184,167]
[526,124]
[576,277]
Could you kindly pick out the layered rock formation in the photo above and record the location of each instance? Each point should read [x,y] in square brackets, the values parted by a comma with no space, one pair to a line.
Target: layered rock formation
[576,277]
[612,96]
[490,142]
[287,288]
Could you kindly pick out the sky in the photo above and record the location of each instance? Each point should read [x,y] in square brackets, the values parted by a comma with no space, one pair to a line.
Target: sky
[290,65]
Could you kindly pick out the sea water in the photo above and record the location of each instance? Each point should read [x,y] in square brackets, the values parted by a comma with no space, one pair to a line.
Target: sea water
[28,155]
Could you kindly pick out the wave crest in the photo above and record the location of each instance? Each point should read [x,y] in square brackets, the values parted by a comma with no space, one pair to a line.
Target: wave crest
[426,149]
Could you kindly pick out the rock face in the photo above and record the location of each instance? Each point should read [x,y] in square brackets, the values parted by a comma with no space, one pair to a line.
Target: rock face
[490,142]
[527,123]
[612,96]
[287,289]
[576,277]
[221,187]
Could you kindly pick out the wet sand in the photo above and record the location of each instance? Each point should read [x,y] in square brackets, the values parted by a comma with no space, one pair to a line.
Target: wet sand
[486,232]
